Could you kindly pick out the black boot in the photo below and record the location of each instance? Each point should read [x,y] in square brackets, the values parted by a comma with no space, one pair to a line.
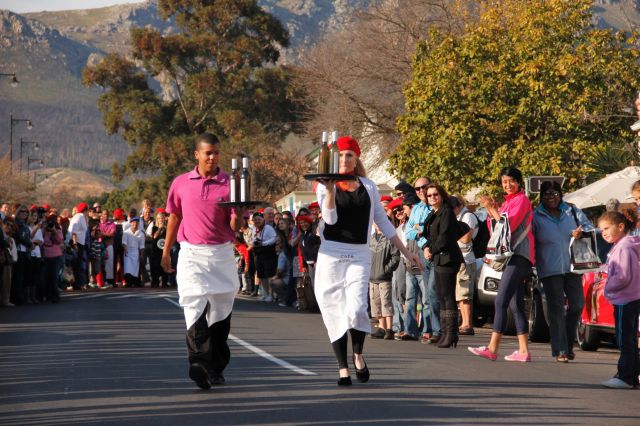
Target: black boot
[450,325]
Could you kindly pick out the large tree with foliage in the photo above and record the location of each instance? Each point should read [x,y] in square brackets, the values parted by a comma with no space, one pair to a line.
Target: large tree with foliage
[217,74]
[531,83]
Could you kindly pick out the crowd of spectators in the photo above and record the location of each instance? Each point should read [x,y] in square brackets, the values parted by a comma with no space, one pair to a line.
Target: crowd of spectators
[44,251]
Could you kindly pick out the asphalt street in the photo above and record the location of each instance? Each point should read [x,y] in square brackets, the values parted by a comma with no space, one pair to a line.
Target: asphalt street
[119,357]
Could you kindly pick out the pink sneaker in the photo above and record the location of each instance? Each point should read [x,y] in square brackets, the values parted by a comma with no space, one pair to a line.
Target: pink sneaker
[484,352]
[517,356]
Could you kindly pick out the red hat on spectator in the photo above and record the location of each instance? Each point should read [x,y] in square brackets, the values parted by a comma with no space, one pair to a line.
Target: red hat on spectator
[314,205]
[261,210]
[161,210]
[386,198]
[81,207]
[304,218]
[395,204]
[347,143]
[118,214]
[46,207]
[34,207]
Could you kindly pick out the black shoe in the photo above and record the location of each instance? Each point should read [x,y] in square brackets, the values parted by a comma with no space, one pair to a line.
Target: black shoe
[199,374]
[344,381]
[361,373]
[218,379]
[378,334]
[388,335]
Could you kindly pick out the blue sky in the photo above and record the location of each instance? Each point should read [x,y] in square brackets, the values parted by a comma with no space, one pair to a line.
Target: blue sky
[22,6]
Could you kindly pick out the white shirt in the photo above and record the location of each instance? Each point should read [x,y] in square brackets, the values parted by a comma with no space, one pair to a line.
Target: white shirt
[37,238]
[467,249]
[78,225]
[133,241]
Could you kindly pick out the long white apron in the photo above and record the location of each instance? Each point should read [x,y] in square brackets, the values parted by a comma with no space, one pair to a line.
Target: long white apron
[206,273]
[341,284]
[132,261]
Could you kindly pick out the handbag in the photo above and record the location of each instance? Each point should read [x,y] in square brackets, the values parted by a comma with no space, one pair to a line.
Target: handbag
[583,253]
[499,249]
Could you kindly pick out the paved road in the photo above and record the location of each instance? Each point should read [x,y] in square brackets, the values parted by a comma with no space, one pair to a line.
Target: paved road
[118,357]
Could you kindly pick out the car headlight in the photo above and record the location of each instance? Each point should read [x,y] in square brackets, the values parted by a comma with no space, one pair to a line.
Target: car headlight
[491,284]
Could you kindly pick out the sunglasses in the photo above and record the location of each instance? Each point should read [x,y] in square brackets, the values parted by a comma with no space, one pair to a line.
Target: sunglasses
[423,187]
[396,211]
[399,194]
[433,195]
[551,194]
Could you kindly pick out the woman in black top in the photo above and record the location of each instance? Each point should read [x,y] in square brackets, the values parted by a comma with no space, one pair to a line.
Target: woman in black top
[344,260]
[442,232]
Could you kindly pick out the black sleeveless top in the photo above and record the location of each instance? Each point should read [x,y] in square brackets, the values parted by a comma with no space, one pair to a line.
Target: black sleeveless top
[353,210]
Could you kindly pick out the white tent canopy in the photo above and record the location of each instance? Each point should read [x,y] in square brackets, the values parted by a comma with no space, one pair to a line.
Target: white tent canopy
[615,185]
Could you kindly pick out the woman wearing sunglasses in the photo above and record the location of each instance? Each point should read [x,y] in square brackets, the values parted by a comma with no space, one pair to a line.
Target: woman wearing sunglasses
[554,223]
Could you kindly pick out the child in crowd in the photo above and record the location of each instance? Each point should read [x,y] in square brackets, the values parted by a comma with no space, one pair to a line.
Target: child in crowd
[622,290]
[385,258]
[97,252]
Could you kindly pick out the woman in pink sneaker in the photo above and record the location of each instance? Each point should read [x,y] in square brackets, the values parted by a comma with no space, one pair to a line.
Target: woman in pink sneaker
[622,290]
[511,291]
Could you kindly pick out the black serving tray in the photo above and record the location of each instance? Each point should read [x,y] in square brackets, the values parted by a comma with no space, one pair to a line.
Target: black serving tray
[330,176]
[242,204]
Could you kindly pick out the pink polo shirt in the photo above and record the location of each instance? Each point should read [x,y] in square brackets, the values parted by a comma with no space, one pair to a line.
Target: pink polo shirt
[196,199]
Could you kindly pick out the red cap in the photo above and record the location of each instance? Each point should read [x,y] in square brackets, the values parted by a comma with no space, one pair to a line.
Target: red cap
[314,205]
[347,143]
[304,218]
[46,207]
[33,208]
[118,214]
[81,207]
[161,210]
[386,198]
[396,203]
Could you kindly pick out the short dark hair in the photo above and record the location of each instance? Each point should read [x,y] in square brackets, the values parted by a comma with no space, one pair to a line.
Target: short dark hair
[549,184]
[512,172]
[207,138]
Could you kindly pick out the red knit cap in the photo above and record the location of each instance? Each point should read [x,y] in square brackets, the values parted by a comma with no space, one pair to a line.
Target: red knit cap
[395,204]
[81,207]
[304,218]
[386,198]
[118,214]
[161,210]
[347,143]
[314,205]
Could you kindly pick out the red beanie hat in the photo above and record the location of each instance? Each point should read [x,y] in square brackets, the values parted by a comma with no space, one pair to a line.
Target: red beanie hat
[161,210]
[314,205]
[395,204]
[304,218]
[81,207]
[46,207]
[386,198]
[347,143]
[118,214]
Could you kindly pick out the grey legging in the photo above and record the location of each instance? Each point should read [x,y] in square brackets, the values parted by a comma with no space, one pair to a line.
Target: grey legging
[511,295]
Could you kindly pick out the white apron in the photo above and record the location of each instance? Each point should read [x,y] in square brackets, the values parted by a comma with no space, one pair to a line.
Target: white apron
[206,273]
[132,261]
[341,285]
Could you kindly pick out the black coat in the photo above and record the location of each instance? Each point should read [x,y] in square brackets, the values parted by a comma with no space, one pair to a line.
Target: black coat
[442,231]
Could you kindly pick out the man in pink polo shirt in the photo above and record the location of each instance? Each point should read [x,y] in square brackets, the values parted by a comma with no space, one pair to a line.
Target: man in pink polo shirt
[206,272]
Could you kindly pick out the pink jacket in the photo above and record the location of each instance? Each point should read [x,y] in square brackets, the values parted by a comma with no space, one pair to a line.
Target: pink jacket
[623,268]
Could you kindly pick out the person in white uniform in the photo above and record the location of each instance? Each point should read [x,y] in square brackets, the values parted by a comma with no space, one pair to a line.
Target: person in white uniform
[133,245]
[206,271]
[344,261]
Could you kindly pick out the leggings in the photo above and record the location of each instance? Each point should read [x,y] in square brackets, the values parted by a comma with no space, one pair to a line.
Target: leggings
[511,295]
[340,346]
[446,286]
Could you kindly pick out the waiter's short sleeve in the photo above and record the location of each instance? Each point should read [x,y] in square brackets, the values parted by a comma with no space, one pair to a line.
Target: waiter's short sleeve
[174,202]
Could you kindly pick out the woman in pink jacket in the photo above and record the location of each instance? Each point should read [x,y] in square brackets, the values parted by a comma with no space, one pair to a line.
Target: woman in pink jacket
[622,290]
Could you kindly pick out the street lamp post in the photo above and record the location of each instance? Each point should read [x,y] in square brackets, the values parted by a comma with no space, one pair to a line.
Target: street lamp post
[13,121]
[36,147]
[31,160]
[14,80]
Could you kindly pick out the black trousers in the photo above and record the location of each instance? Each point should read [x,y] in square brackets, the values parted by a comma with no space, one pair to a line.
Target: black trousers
[626,317]
[208,345]
[446,286]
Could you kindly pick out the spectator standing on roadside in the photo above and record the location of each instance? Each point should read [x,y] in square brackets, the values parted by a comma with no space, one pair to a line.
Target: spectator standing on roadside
[34,284]
[118,252]
[11,257]
[97,252]
[264,250]
[466,277]
[385,258]
[158,234]
[78,228]
[622,290]
[53,251]
[22,237]
[554,224]
[107,232]
[132,246]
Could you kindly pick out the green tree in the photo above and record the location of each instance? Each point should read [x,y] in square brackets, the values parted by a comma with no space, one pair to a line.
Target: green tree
[217,74]
[530,83]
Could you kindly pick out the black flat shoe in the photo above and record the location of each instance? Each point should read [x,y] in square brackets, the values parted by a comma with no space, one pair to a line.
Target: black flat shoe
[361,373]
[199,374]
[344,381]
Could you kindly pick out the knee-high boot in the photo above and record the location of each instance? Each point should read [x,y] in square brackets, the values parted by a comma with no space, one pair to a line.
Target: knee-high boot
[450,327]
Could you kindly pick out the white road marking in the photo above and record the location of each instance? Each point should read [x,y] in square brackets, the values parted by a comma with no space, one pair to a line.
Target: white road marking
[261,352]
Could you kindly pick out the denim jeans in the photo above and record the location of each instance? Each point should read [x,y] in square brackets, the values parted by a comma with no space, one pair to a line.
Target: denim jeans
[563,322]
[415,287]
[398,321]
[430,303]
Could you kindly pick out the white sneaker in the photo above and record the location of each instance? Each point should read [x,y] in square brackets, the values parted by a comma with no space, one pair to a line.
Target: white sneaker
[267,299]
[615,383]
[282,304]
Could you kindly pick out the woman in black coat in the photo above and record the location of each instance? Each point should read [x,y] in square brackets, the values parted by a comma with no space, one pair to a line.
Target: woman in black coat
[443,231]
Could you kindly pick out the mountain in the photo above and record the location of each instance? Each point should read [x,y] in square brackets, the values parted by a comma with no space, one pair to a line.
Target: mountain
[49,49]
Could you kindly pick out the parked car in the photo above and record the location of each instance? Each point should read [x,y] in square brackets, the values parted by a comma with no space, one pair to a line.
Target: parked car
[597,322]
